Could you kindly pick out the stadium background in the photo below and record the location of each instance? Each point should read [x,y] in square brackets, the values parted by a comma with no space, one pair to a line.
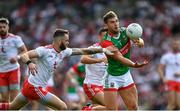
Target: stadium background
[35,21]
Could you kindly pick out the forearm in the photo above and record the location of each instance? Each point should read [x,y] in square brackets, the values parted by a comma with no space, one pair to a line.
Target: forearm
[125,61]
[86,51]
[24,57]
[160,72]
[89,60]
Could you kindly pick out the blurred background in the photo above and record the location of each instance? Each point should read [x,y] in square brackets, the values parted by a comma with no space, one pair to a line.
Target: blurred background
[36,20]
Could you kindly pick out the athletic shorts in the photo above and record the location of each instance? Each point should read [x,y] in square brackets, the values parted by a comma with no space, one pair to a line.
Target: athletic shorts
[10,80]
[33,93]
[91,90]
[173,86]
[115,83]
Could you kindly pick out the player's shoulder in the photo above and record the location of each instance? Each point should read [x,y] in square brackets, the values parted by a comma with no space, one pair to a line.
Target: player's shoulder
[46,47]
[50,46]
[13,36]
[96,45]
[106,43]
[167,55]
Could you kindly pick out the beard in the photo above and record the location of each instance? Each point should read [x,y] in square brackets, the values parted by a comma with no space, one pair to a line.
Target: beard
[3,33]
[62,46]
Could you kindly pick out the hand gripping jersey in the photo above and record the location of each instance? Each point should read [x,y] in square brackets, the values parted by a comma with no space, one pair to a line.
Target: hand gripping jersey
[95,73]
[172,63]
[48,61]
[8,49]
[122,42]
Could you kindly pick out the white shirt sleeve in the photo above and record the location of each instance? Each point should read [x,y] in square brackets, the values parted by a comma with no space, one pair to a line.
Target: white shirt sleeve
[19,42]
[41,51]
[163,60]
[67,52]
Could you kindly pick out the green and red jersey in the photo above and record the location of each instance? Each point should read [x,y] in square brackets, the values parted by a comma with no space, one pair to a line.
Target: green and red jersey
[123,43]
[79,69]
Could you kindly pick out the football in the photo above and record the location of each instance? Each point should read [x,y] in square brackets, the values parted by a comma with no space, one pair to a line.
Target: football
[134,31]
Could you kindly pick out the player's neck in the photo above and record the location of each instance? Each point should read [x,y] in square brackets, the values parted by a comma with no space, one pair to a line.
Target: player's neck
[4,36]
[113,34]
[56,47]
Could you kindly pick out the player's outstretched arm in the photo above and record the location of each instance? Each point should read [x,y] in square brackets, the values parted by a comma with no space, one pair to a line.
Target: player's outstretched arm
[119,57]
[88,51]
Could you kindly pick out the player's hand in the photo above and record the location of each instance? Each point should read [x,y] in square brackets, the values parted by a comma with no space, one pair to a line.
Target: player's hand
[32,68]
[13,60]
[104,59]
[109,50]
[140,64]
[138,42]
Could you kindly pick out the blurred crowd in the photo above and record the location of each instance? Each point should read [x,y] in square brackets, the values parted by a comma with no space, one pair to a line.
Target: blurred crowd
[35,21]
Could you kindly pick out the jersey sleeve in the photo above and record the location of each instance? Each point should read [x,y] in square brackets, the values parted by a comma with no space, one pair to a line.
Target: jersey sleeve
[67,52]
[105,43]
[41,51]
[19,42]
[163,60]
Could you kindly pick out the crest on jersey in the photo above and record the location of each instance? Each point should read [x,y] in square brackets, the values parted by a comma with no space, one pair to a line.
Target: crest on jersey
[112,84]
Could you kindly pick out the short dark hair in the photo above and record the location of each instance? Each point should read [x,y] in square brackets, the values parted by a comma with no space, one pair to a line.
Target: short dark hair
[104,29]
[60,32]
[4,20]
[108,16]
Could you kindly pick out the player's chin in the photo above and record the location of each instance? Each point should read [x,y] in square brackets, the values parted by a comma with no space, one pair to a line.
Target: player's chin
[116,30]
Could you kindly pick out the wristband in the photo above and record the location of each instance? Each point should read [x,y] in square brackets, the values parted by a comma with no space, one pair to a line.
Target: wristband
[28,62]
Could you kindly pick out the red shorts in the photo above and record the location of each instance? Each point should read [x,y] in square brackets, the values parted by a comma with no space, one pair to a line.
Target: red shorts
[173,86]
[91,90]
[50,89]
[10,80]
[33,93]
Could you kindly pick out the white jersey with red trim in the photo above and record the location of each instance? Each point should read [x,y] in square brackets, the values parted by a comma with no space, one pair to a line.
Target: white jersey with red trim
[172,63]
[47,63]
[95,73]
[8,49]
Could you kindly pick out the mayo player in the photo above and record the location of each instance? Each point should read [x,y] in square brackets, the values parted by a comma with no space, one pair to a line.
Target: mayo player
[48,58]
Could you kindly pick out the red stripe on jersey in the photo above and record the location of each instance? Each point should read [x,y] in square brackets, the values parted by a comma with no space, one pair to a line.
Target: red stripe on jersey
[126,48]
[106,43]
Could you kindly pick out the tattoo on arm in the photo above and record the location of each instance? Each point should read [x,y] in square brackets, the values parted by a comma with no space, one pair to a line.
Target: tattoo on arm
[86,51]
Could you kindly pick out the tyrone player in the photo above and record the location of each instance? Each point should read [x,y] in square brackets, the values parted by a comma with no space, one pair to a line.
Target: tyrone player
[10,46]
[48,58]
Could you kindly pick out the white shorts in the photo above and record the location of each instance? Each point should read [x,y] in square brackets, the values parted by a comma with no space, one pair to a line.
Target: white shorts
[114,83]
